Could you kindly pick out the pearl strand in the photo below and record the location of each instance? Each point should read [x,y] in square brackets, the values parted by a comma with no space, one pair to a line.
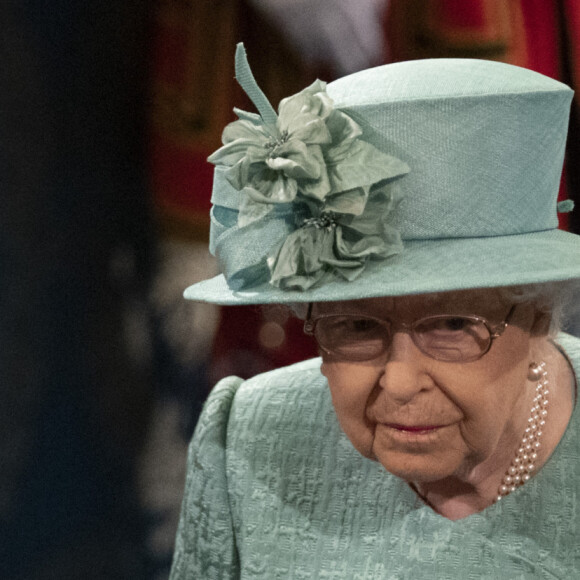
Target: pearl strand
[524,462]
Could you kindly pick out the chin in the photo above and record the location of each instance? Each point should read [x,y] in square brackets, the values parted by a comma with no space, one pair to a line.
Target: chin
[418,469]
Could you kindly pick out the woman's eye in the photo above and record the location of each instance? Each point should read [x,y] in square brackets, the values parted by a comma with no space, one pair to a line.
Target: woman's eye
[446,328]
[455,324]
[347,326]
[360,325]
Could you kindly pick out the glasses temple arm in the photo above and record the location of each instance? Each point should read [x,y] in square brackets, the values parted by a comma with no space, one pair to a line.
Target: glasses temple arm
[308,324]
[500,328]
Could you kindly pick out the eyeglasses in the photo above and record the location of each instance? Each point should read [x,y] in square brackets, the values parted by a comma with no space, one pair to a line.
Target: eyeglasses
[450,338]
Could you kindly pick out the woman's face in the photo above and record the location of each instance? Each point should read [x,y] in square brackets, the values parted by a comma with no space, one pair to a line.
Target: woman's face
[423,419]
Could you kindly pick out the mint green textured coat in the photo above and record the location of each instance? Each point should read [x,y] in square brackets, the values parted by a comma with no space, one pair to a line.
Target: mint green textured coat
[275,491]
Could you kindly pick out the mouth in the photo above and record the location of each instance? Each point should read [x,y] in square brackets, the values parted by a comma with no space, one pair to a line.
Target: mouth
[416,435]
[414,428]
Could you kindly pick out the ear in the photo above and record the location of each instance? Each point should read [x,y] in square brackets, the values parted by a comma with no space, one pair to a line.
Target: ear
[541,324]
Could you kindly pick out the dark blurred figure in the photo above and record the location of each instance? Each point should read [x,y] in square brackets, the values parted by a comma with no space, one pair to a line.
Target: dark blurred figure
[75,253]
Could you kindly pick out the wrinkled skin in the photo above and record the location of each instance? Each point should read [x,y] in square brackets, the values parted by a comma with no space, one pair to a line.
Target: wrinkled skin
[479,409]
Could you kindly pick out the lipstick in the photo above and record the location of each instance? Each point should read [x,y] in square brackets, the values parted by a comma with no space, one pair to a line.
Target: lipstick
[413,428]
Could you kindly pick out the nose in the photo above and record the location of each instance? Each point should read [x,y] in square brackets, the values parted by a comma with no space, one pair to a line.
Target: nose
[405,372]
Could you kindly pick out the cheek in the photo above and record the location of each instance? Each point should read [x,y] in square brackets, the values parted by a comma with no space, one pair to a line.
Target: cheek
[350,387]
[493,395]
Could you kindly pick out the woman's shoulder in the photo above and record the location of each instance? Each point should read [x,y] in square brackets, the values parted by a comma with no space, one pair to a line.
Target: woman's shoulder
[295,395]
[288,393]
[286,381]
[571,346]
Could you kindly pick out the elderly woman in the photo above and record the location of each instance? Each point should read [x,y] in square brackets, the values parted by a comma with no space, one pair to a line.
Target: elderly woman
[408,213]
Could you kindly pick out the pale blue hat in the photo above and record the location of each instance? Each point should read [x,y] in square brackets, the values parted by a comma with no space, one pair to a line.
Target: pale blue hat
[409,178]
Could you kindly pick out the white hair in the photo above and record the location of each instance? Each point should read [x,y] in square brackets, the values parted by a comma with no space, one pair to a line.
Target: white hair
[558,300]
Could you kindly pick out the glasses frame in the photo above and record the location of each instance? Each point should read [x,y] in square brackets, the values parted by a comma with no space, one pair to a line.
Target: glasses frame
[392,327]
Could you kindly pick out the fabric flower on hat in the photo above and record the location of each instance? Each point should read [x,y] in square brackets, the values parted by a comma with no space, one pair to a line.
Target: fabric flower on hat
[337,243]
[308,161]
[273,163]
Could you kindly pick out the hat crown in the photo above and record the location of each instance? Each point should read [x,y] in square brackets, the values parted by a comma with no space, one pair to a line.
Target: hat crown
[439,78]
[484,142]
[472,151]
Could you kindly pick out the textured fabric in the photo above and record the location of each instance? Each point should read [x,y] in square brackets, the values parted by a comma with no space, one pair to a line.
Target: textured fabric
[308,161]
[429,266]
[484,142]
[276,491]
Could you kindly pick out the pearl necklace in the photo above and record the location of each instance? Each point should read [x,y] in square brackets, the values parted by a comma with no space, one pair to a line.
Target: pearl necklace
[524,462]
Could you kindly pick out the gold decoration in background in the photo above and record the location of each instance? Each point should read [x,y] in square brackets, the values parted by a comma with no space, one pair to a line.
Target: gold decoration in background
[486,29]
[194,96]
[193,92]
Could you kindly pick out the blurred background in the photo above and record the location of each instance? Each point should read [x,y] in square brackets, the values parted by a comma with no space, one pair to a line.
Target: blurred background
[108,111]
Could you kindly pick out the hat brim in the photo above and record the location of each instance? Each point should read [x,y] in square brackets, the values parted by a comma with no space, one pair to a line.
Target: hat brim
[427,266]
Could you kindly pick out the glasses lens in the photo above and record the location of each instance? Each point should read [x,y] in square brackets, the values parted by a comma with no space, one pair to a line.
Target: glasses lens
[452,338]
[352,337]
